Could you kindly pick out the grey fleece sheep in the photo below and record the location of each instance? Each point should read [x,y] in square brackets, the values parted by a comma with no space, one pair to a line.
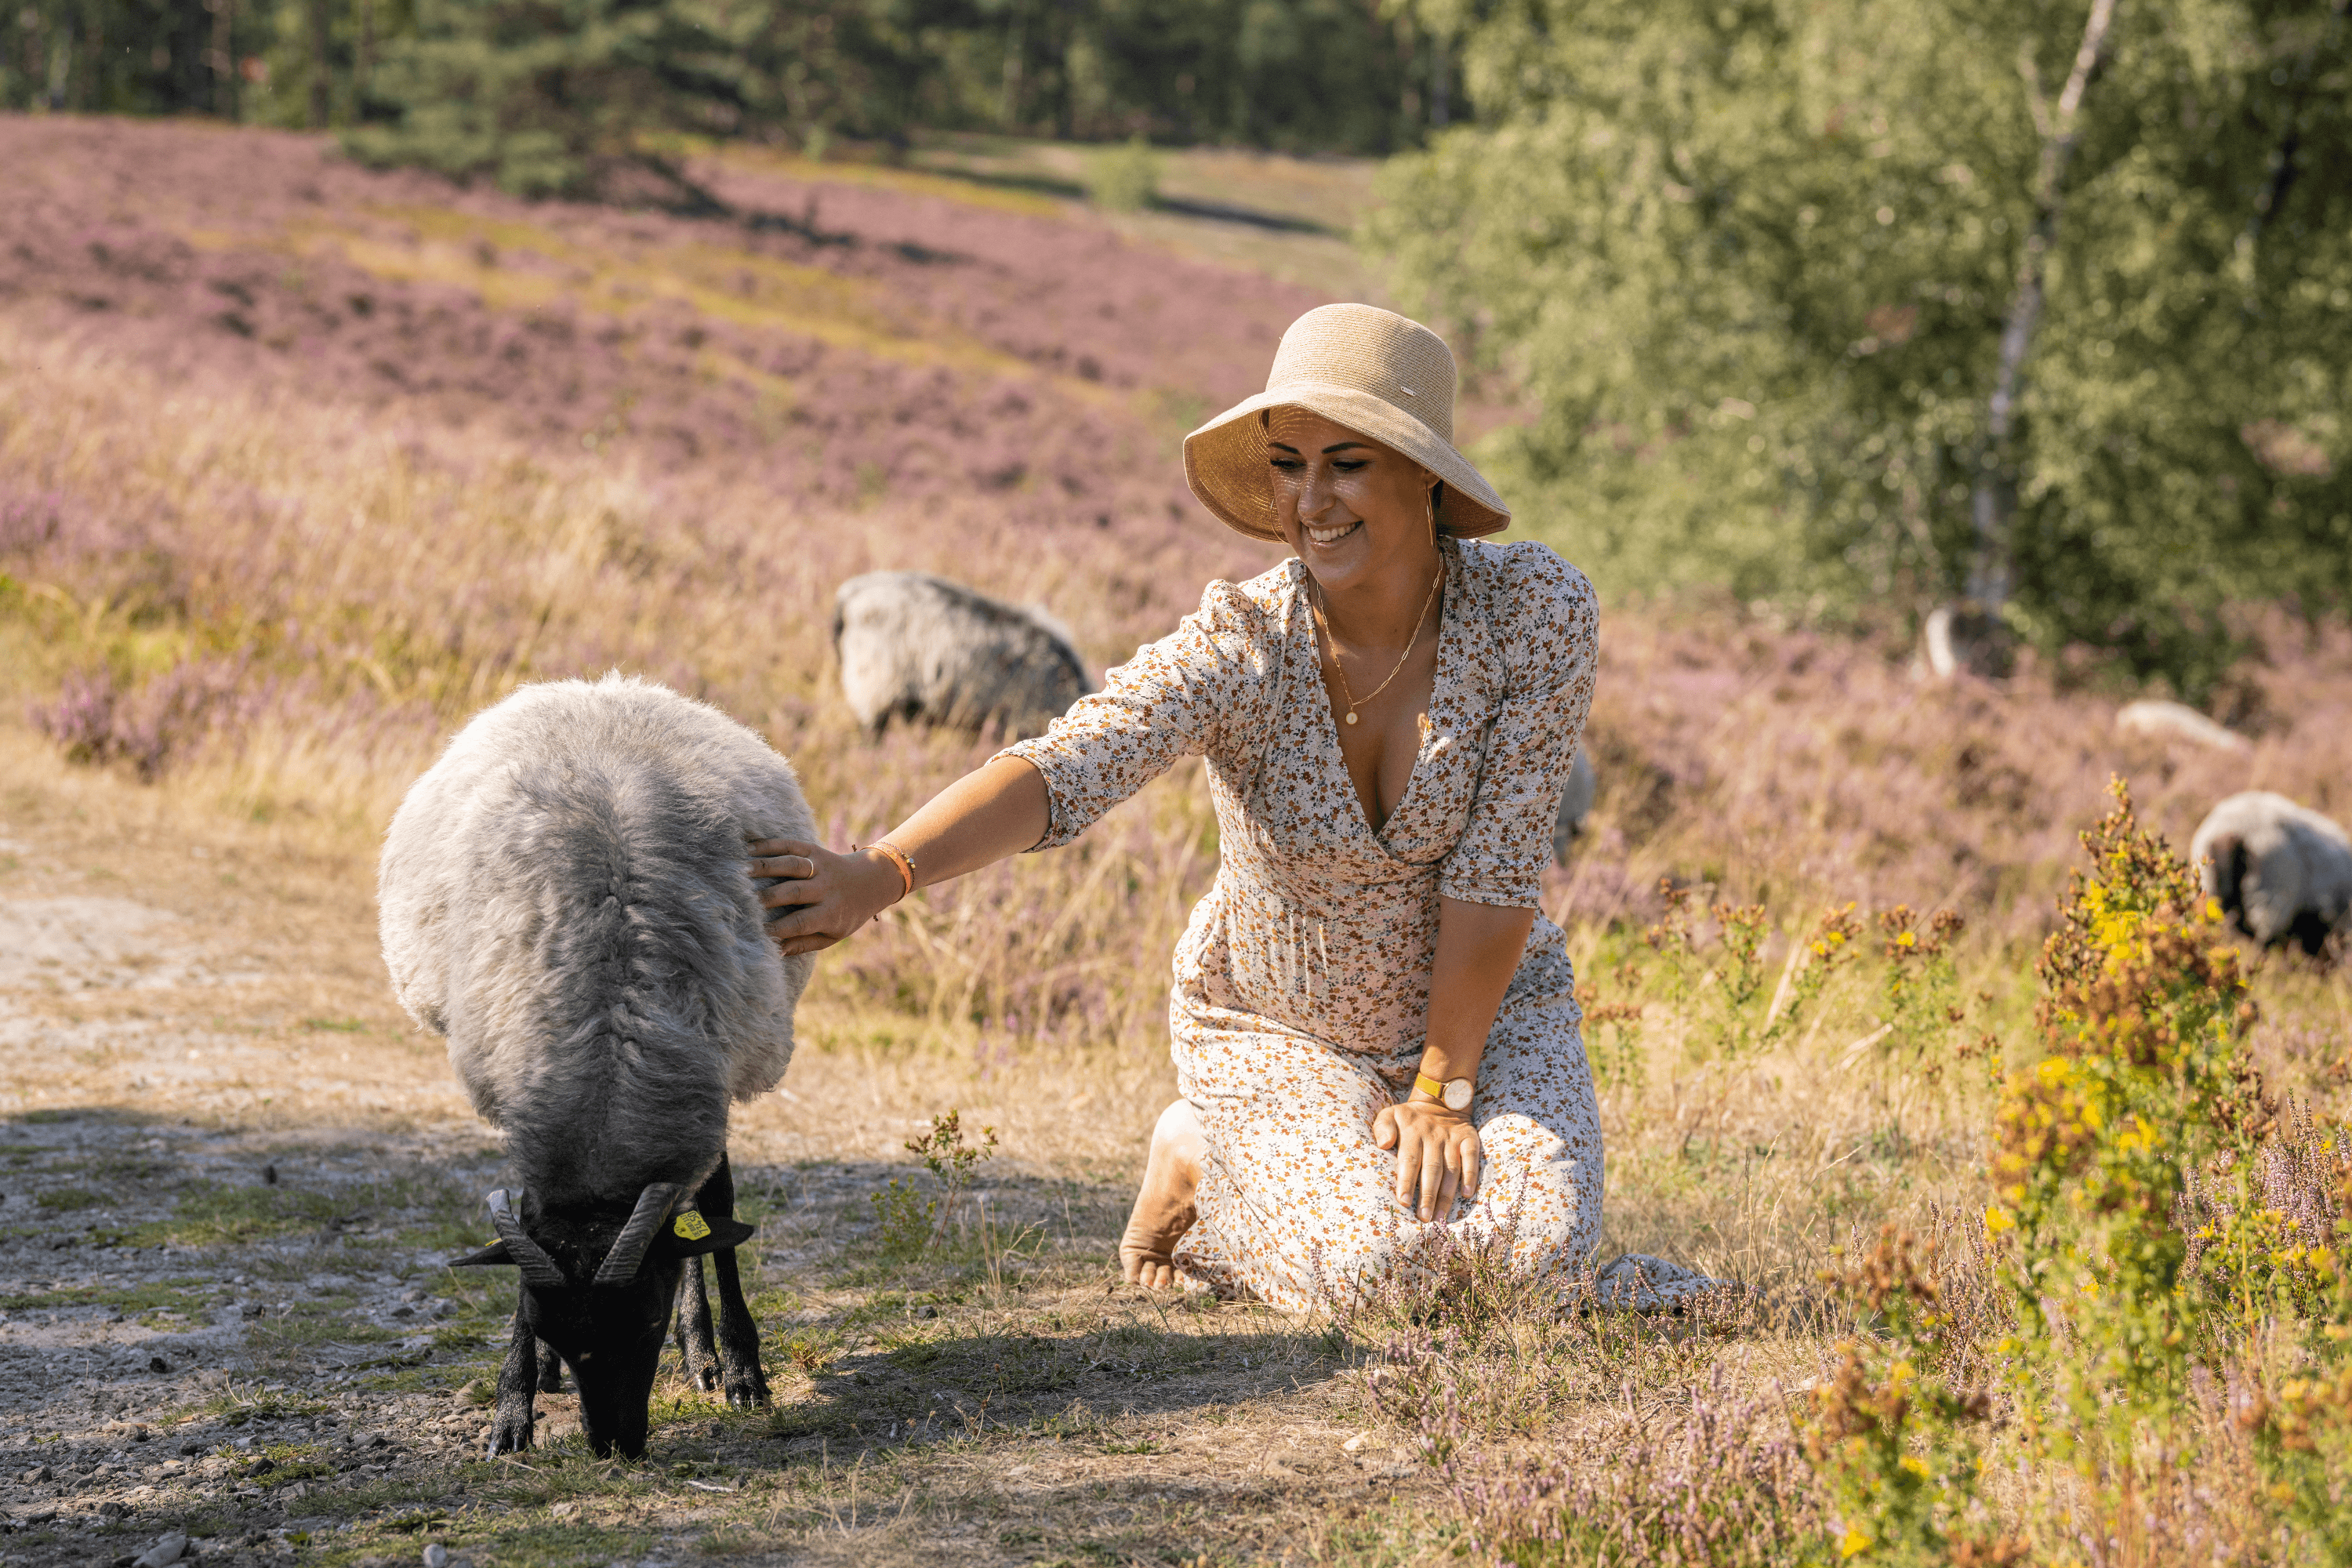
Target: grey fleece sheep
[2281,872]
[919,648]
[1575,806]
[563,895]
[2160,721]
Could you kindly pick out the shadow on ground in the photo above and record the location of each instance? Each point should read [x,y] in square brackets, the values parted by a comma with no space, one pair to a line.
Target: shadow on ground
[252,1337]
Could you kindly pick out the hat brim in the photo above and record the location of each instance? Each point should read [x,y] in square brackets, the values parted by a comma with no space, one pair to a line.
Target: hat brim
[1225,465]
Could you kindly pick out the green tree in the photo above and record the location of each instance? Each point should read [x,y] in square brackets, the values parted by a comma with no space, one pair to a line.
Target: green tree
[557,97]
[1767,267]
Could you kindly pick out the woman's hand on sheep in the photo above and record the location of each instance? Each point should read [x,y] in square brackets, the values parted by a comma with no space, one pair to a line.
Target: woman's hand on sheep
[1437,1153]
[827,896]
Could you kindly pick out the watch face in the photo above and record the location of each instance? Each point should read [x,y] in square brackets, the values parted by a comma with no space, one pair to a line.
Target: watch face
[1457,1094]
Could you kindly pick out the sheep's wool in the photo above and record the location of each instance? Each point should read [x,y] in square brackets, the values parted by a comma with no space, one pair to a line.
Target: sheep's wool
[563,896]
[2292,864]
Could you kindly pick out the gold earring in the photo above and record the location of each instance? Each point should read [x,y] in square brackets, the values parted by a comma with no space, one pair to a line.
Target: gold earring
[1429,497]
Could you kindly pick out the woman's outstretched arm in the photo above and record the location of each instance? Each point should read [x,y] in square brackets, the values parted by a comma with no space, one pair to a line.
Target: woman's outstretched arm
[998,810]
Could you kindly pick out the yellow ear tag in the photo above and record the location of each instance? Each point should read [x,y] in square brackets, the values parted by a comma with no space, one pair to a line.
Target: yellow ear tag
[690,1226]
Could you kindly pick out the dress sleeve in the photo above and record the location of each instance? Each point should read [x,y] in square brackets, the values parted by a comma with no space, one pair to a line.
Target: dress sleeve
[1183,696]
[1550,625]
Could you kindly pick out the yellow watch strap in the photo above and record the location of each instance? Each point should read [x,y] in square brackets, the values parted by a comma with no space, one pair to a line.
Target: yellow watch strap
[1430,1087]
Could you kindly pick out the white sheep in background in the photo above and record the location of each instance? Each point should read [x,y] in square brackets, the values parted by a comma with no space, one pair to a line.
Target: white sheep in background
[563,895]
[919,648]
[2281,872]
[2176,721]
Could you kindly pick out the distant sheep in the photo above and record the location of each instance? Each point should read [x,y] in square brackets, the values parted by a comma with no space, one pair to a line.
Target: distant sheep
[563,895]
[1575,806]
[2281,872]
[918,648]
[2176,721]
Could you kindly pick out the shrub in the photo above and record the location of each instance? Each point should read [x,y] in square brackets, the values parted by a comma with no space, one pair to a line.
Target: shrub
[907,1220]
[2160,1232]
[1124,179]
[98,719]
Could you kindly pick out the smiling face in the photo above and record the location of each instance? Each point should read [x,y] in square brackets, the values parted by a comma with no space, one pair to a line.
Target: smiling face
[1354,510]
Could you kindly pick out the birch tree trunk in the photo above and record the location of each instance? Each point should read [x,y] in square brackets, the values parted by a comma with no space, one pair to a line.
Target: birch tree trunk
[1970,634]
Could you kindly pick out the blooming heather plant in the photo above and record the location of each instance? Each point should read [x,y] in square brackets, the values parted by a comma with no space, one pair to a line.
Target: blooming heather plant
[95,718]
[1710,1477]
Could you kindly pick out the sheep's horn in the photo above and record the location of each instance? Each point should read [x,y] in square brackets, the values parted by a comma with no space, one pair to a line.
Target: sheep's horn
[538,1267]
[621,1264]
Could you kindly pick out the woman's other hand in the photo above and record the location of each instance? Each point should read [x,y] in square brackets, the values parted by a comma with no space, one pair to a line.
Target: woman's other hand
[827,896]
[1437,1154]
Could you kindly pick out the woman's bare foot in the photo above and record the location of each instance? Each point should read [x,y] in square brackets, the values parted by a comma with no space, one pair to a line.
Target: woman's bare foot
[1163,1210]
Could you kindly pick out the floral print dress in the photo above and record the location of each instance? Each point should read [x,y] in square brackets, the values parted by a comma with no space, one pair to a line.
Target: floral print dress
[1302,980]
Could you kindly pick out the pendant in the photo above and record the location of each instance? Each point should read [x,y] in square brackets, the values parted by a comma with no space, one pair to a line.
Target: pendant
[1351,715]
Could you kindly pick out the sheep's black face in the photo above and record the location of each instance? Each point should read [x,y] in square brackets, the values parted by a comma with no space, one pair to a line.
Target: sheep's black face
[609,1334]
[611,1337]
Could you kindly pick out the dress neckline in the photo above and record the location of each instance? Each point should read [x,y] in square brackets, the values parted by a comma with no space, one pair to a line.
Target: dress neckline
[1434,731]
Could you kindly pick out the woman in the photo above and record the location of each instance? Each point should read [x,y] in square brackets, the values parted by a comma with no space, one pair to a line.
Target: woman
[1375,1032]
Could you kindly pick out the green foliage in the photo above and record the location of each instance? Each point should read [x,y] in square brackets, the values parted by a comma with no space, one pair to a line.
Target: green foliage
[547,100]
[1124,179]
[907,1219]
[2156,1222]
[1922,988]
[1754,263]
[542,96]
[1721,987]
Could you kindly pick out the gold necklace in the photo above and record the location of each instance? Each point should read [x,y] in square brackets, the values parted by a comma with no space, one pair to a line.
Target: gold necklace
[1323,623]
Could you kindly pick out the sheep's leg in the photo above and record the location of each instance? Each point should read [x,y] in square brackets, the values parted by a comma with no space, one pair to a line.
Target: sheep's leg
[739,1338]
[694,1342]
[739,1333]
[550,1369]
[510,1426]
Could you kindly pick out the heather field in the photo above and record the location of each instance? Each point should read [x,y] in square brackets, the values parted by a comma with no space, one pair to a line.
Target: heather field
[301,465]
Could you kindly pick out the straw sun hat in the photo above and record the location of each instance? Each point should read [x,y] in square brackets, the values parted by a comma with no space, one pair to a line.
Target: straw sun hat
[1386,378]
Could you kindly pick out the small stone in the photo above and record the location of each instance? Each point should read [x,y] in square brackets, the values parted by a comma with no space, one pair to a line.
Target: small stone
[164,1551]
[157,1363]
[192,1446]
[269,1175]
[250,1309]
[37,1474]
[261,1467]
[436,1555]
[926,1311]
[1356,1443]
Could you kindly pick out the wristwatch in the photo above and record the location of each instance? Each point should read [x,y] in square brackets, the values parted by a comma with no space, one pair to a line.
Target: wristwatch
[1454,1093]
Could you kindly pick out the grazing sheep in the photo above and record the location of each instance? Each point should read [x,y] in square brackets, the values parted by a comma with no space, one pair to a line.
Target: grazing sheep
[2280,871]
[2176,721]
[563,896]
[1575,806]
[920,647]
